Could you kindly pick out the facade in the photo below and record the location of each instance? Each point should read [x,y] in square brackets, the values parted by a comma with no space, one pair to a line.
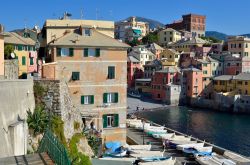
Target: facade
[170,75]
[151,67]
[134,71]
[170,57]
[94,66]
[131,29]
[196,24]
[192,82]
[173,94]
[143,85]
[156,49]
[142,54]
[1,56]
[25,53]
[239,45]
[223,83]
[167,36]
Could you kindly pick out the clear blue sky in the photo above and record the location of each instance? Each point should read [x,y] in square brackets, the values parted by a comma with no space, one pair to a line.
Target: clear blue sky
[231,17]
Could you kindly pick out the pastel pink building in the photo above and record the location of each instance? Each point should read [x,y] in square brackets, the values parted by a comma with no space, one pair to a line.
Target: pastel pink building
[32,63]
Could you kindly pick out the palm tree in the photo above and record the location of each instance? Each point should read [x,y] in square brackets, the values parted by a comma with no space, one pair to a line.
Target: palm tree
[38,120]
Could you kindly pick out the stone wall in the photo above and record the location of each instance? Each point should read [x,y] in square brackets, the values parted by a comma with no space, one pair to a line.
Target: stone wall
[11,69]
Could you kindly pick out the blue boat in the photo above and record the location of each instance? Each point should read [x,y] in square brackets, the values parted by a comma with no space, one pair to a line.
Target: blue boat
[154,158]
[192,151]
[114,149]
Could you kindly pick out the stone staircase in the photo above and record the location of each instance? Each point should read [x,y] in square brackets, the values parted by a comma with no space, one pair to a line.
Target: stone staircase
[31,159]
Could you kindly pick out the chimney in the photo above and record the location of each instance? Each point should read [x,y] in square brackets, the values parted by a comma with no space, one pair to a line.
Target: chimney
[81,30]
[1,28]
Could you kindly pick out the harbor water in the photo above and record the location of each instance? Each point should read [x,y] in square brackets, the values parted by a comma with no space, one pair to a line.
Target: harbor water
[230,131]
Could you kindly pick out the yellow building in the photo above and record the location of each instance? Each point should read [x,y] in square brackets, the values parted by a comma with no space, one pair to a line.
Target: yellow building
[242,83]
[224,83]
[167,36]
[239,45]
[1,56]
[23,47]
[170,57]
[143,85]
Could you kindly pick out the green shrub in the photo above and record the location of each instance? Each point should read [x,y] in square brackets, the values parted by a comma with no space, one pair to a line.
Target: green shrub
[58,129]
[38,120]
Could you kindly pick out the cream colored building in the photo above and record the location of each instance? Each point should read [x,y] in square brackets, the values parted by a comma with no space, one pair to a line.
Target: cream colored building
[239,45]
[167,36]
[170,57]
[142,54]
[55,29]
[131,29]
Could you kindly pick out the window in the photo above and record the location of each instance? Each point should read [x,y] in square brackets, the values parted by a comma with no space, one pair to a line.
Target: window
[205,65]
[165,39]
[238,64]
[87,32]
[110,98]
[23,60]
[89,99]
[246,54]
[239,45]
[239,82]
[176,56]
[111,120]
[64,52]
[246,83]
[228,64]
[19,47]
[111,72]
[246,45]
[75,76]
[31,60]
[89,52]
[204,72]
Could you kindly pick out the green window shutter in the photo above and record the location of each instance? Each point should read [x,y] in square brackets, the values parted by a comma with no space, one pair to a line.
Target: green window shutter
[97,52]
[116,120]
[58,52]
[23,60]
[86,52]
[111,72]
[105,122]
[92,99]
[20,47]
[75,76]
[71,52]
[116,97]
[82,99]
[31,60]
[105,97]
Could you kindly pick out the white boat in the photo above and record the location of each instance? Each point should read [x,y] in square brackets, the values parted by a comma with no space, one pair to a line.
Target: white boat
[138,147]
[135,95]
[192,145]
[152,131]
[213,159]
[170,161]
[177,140]
[163,136]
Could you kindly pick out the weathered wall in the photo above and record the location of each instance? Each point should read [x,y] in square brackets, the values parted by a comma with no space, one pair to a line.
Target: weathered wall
[11,69]
[1,56]
[16,97]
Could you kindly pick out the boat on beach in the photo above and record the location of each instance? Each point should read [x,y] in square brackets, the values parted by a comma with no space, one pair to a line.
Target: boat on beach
[163,136]
[138,147]
[151,131]
[177,140]
[213,159]
[192,145]
[198,150]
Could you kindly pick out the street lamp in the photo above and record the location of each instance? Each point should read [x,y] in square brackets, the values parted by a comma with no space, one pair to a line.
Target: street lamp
[48,102]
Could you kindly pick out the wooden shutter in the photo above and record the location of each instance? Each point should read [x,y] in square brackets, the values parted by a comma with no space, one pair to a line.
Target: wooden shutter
[116,97]
[86,52]
[20,47]
[82,99]
[31,60]
[23,60]
[116,116]
[58,52]
[105,97]
[97,52]
[113,72]
[92,99]
[71,52]
[104,119]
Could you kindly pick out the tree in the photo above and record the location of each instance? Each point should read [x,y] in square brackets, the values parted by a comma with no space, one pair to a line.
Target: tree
[8,49]
[134,42]
[38,120]
[211,39]
[150,38]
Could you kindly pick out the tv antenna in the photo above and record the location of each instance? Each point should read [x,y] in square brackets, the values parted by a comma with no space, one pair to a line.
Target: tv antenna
[81,13]
[96,13]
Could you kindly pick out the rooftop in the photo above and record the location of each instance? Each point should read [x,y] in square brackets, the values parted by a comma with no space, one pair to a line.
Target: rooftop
[14,38]
[243,76]
[170,69]
[143,80]
[132,59]
[193,69]
[224,77]
[96,39]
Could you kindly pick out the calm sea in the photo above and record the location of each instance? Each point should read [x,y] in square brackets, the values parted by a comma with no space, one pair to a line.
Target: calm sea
[230,131]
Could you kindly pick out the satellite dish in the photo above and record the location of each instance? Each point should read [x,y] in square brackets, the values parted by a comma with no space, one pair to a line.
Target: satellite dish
[12,55]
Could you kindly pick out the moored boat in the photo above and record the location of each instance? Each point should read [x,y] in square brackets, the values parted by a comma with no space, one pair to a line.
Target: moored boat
[213,159]
[192,145]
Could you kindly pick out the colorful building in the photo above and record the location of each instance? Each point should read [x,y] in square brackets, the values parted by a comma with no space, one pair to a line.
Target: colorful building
[239,45]
[223,83]
[143,85]
[156,49]
[131,29]
[94,66]
[25,53]
[151,67]
[170,57]
[194,23]
[192,82]
[167,36]
[142,54]
[134,71]
[169,75]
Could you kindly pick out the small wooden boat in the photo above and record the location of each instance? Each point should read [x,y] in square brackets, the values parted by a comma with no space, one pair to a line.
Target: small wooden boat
[203,151]
[193,145]
[213,159]
[122,153]
[153,158]
[151,131]
[138,147]
[170,161]
[177,140]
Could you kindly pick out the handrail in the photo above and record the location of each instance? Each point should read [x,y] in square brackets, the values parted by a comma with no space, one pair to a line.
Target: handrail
[54,148]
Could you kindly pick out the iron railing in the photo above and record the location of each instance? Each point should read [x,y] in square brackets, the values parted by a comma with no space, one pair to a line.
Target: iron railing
[54,148]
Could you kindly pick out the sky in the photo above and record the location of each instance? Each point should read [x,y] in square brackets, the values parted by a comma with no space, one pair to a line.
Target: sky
[227,16]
